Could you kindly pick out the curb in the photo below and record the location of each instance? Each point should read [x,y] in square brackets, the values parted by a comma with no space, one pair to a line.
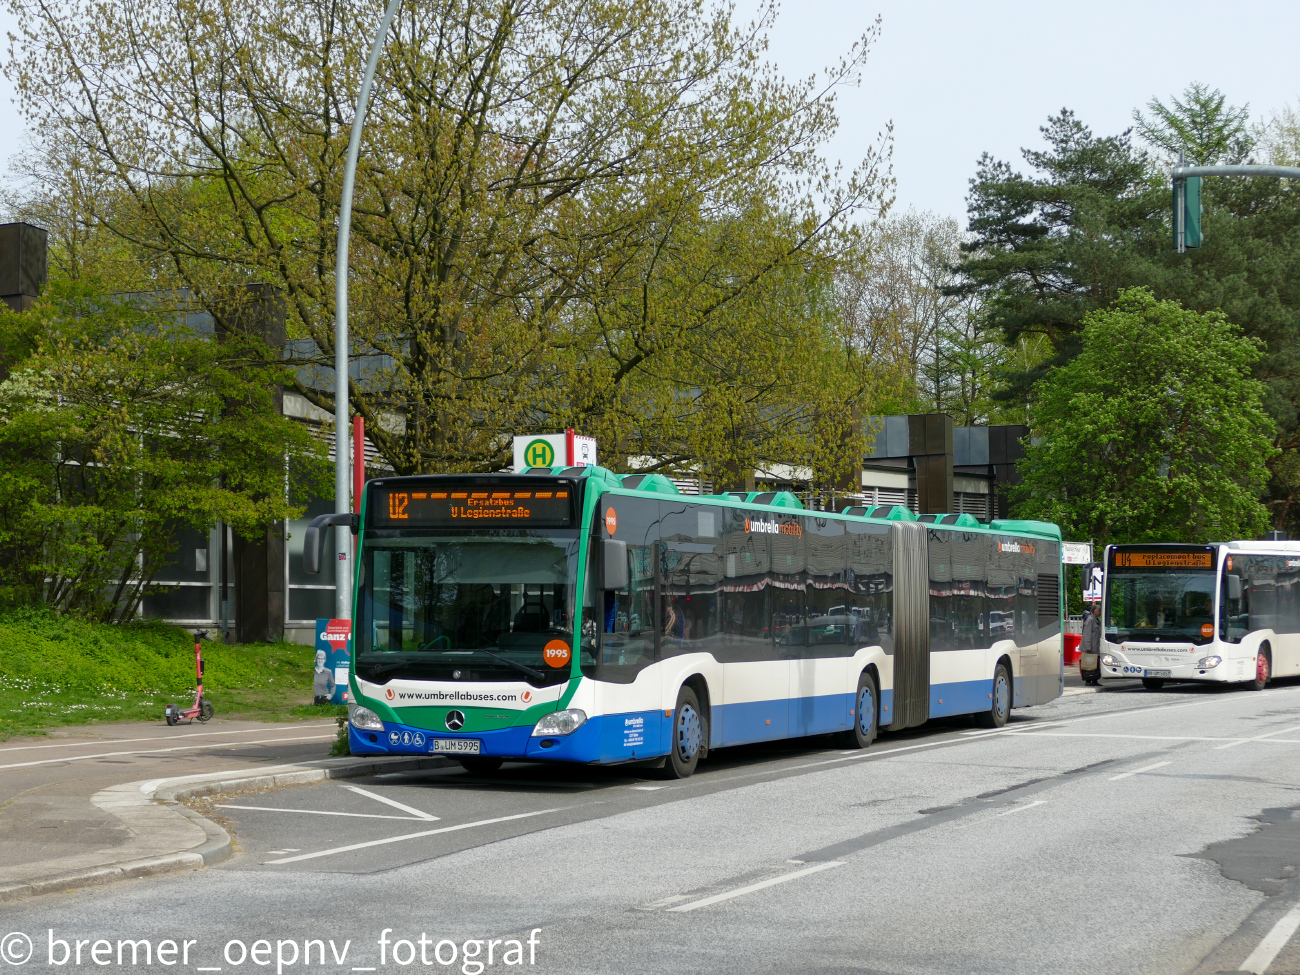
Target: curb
[153,806]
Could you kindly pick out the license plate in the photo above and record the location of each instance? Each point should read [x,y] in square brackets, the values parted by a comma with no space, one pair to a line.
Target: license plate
[1155,673]
[456,746]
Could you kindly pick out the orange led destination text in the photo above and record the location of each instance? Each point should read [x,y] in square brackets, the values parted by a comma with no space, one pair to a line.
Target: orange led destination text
[1164,560]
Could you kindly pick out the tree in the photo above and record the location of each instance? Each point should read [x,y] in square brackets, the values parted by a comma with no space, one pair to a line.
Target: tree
[121,425]
[1203,126]
[1049,248]
[560,203]
[1155,431]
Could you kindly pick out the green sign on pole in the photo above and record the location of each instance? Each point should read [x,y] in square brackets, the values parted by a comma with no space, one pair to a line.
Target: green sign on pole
[539,453]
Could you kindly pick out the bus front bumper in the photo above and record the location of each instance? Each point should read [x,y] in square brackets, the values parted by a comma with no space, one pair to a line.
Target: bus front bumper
[517,743]
[1124,669]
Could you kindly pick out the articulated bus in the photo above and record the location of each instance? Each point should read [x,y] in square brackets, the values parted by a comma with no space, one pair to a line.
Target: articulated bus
[1224,612]
[577,615]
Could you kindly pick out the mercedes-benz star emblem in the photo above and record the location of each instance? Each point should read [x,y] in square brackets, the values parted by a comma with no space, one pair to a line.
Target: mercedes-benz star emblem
[455,720]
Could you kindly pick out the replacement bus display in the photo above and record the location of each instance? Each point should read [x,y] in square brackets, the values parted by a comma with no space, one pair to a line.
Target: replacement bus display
[471,506]
[1164,560]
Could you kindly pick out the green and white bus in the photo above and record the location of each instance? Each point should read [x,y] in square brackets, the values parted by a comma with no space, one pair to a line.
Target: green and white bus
[576,615]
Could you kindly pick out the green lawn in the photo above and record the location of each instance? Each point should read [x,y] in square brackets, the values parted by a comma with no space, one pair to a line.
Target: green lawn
[60,671]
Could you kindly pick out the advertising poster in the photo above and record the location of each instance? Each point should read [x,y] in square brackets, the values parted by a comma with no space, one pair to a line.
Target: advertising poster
[330,677]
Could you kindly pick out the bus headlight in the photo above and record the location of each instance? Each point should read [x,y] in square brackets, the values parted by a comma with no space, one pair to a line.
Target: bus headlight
[1108,660]
[560,723]
[1208,663]
[363,719]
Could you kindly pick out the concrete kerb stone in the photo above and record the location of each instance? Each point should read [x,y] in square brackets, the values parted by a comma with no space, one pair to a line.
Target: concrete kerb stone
[166,835]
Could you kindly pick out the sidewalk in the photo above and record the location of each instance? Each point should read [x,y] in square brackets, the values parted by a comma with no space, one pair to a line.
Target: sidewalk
[93,804]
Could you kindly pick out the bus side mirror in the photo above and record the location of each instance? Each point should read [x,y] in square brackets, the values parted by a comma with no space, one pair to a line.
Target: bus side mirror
[614,557]
[1234,587]
[313,539]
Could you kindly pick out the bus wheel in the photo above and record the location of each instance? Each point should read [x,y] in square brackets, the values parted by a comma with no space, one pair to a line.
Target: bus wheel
[479,765]
[1263,669]
[1000,709]
[688,737]
[863,732]
[1152,683]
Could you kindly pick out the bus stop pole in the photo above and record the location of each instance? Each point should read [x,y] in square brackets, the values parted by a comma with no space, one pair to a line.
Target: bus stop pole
[342,473]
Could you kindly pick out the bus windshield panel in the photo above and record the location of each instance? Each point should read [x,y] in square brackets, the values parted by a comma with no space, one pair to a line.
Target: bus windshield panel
[1163,595]
[494,605]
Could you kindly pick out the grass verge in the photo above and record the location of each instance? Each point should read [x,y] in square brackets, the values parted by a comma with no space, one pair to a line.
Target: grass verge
[57,670]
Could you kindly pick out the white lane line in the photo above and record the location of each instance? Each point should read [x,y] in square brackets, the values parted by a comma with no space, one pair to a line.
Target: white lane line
[322,812]
[160,751]
[131,741]
[1257,961]
[417,813]
[1243,741]
[647,788]
[750,888]
[410,836]
[1017,809]
[1101,734]
[1138,771]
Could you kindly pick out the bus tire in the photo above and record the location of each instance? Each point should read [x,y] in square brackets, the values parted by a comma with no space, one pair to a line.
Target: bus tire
[1153,683]
[866,704]
[1000,708]
[480,765]
[1263,668]
[687,737]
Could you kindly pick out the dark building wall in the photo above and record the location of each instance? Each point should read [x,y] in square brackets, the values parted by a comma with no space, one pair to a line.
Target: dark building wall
[23,250]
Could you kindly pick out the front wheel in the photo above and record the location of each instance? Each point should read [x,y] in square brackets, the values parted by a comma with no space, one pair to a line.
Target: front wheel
[1000,706]
[1263,669]
[688,737]
[1152,683]
[206,711]
[863,732]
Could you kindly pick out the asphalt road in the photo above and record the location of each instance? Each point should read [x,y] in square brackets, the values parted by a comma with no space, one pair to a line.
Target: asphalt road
[1117,831]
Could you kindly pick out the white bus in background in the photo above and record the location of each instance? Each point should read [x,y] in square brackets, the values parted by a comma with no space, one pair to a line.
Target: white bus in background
[1224,612]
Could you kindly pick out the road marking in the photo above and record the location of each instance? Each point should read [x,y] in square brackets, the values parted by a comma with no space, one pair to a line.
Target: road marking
[666,902]
[323,812]
[750,888]
[131,741]
[160,751]
[1257,961]
[1242,741]
[648,788]
[1138,771]
[410,836]
[417,813]
[1016,809]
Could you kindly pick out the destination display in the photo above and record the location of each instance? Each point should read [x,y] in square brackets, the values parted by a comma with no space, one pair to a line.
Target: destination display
[460,507]
[1164,560]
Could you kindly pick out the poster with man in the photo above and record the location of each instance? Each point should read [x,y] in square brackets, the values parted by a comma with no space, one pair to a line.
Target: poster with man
[330,675]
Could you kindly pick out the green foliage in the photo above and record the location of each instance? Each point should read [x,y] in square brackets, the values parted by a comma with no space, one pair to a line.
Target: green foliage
[567,213]
[58,670]
[340,744]
[1204,127]
[120,427]
[1155,431]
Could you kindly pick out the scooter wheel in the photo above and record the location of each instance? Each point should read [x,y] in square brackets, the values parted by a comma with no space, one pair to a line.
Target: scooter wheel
[171,720]
[206,711]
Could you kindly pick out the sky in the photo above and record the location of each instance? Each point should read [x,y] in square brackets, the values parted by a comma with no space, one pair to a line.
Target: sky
[962,78]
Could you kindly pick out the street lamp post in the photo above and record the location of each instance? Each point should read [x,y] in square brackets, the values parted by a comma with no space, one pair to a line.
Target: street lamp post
[342,468]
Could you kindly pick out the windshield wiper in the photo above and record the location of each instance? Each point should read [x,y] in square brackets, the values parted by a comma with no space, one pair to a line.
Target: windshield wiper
[522,668]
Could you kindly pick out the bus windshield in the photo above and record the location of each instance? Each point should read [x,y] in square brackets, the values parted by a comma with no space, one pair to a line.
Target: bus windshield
[1161,606]
[481,606]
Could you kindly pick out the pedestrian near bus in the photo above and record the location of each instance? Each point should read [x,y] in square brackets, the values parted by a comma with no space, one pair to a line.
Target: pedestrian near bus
[1090,646]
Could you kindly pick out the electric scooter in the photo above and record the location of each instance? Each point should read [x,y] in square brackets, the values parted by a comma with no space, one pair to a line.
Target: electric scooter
[201,709]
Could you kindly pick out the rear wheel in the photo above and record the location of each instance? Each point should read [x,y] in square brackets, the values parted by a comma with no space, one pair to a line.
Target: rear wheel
[1000,705]
[1153,683]
[479,765]
[1263,668]
[688,737]
[171,720]
[863,732]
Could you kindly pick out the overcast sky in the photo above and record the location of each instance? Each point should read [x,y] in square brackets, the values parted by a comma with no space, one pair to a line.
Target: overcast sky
[962,78]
